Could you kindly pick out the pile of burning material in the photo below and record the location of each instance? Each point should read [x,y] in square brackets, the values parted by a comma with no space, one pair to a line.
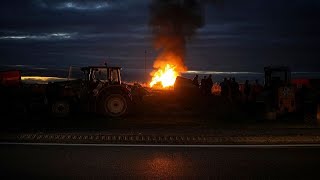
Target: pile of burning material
[184,86]
[164,77]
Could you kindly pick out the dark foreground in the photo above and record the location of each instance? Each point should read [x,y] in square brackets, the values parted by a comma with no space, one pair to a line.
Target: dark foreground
[159,162]
[25,148]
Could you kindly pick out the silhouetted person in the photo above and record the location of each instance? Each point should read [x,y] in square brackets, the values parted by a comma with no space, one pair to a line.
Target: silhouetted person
[256,89]
[234,87]
[224,87]
[247,90]
[209,84]
[195,80]
[229,89]
[203,85]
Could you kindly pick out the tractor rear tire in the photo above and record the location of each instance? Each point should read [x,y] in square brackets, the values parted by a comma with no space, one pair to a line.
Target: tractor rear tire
[113,105]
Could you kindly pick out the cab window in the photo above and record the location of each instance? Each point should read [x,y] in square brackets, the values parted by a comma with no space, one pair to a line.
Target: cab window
[114,75]
[100,74]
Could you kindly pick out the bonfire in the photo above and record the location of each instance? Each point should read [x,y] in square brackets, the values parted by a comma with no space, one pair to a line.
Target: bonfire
[165,77]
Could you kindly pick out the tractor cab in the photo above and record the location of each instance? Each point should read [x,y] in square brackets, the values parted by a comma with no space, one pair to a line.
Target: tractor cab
[102,74]
[277,76]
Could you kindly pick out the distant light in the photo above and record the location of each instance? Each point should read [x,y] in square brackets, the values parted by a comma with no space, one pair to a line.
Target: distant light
[43,36]
[69,5]
[220,72]
[83,6]
[13,37]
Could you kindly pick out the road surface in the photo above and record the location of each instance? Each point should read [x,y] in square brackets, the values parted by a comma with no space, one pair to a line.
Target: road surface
[131,161]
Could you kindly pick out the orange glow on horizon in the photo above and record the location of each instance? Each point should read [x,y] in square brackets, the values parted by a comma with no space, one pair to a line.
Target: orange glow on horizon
[41,79]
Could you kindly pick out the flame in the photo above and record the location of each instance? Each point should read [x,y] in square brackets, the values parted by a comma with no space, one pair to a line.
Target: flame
[167,66]
[165,76]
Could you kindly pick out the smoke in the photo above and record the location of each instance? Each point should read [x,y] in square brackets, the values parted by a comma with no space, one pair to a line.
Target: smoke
[173,22]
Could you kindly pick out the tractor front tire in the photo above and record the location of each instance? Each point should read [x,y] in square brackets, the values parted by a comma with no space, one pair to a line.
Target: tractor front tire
[60,109]
[113,105]
[310,114]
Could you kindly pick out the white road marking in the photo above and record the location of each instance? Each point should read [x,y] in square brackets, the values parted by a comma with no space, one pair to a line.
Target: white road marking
[169,145]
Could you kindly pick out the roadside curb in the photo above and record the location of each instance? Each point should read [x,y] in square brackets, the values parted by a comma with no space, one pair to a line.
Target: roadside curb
[71,138]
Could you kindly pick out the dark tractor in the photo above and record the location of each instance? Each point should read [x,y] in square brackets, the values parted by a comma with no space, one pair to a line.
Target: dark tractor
[100,91]
[283,96]
[280,93]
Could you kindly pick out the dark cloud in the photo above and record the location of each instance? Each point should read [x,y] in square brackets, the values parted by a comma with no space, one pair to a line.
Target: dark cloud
[244,34]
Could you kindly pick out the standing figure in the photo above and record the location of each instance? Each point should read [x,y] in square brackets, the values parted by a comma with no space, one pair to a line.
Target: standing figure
[224,87]
[209,83]
[195,80]
[234,89]
[203,85]
[256,89]
[247,90]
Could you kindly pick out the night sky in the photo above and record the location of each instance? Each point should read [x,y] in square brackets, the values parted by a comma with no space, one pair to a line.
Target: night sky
[237,35]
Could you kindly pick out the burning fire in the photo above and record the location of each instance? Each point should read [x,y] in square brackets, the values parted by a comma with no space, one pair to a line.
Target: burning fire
[165,76]
[167,66]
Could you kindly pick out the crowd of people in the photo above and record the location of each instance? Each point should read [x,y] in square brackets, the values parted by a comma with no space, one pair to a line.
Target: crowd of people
[205,84]
[230,88]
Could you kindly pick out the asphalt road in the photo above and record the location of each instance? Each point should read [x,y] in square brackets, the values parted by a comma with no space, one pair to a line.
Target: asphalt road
[100,161]
[98,123]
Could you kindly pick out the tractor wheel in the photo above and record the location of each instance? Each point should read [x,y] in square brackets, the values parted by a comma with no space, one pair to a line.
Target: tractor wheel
[309,117]
[60,109]
[310,114]
[271,116]
[114,105]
